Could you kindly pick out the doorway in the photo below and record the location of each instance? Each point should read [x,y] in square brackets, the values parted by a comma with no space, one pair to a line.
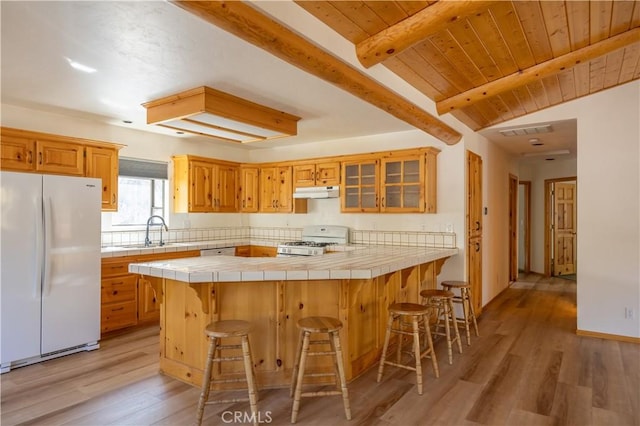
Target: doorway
[561,236]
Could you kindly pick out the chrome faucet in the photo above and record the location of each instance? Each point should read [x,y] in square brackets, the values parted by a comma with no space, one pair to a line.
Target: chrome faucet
[147,241]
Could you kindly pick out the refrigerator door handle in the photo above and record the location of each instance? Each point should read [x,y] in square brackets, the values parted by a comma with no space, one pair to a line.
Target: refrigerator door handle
[37,282]
[48,227]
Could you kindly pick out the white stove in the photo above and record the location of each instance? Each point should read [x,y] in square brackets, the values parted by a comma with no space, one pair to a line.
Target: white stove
[315,239]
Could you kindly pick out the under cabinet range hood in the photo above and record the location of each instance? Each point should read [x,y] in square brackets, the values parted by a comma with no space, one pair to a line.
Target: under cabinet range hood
[317,192]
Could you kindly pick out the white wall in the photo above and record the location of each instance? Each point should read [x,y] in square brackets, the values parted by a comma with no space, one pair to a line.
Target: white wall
[608,178]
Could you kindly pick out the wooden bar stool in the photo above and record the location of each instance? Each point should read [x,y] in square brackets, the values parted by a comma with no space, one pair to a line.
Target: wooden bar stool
[330,326]
[417,314]
[220,330]
[442,302]
[467,305]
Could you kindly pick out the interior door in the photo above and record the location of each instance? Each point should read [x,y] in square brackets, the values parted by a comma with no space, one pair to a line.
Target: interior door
[564,226]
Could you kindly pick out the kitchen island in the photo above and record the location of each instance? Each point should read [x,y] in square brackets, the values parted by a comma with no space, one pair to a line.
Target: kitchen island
[355,285]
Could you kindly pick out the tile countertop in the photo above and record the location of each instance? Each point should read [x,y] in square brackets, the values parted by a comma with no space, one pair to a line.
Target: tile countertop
[136,249]
[352,262]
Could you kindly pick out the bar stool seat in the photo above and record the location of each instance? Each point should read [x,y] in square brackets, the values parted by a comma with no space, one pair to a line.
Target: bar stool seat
[442,302]
[418,315]
[216,331]
[307,326]
[465,300]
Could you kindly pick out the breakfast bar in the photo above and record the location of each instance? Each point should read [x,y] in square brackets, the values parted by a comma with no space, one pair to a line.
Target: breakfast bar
[355,284]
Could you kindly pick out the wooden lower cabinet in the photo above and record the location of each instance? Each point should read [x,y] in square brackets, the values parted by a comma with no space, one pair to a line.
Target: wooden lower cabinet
[273,308]
[256,251]
[118,295]
[130,299]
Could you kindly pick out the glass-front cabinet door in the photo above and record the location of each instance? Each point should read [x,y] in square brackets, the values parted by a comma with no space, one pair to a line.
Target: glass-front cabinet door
[360,186]
[403,185]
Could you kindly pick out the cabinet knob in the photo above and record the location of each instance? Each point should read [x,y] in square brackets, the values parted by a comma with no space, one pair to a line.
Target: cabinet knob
[30,157]
[477,225]
[40,157]
[477,247]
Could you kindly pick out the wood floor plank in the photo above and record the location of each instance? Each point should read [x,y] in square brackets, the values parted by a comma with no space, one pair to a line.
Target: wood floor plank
[528,367]
[572,405]
[527,418]
[540,381]
[495,402]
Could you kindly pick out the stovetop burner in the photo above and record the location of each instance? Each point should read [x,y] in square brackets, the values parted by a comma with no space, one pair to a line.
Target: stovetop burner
[306,244]
[315,239]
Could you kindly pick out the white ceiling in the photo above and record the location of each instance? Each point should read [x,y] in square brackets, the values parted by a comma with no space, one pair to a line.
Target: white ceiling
[146,50]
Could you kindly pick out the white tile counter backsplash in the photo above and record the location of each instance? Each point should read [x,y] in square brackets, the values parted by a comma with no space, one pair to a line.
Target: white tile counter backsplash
[396,238]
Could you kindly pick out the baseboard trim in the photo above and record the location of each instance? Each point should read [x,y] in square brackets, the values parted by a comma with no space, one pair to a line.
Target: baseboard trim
[608,336]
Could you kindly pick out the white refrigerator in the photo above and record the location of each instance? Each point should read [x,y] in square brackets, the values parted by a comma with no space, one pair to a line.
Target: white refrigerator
[49,267]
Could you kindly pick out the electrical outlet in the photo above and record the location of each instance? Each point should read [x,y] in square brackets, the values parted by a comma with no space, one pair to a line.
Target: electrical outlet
[449,227]
[628,313]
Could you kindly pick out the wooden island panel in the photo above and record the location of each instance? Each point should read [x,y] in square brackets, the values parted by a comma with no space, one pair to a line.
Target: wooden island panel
[274,307]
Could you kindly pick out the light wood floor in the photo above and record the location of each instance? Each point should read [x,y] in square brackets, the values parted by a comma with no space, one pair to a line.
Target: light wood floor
[527,368]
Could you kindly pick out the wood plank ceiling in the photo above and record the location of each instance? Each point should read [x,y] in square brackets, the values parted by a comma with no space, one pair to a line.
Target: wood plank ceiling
[489,62]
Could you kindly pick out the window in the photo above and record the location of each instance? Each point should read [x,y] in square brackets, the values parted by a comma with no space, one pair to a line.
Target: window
[143,192]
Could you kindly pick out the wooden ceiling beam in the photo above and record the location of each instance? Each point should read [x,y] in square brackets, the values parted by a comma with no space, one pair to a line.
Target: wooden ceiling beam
[249,24]
[414,29]
[539,71]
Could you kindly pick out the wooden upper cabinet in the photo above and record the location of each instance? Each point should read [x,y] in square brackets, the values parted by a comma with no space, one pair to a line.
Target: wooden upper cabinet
[17,153]
[391,182]
[316,174]
[27,151]
[402,188]
[360,186]
[59,157]
[276,193]
[103,163]
[328,174]
[202,186]
[30,152]
[304,175]
[249,189]
[225,180]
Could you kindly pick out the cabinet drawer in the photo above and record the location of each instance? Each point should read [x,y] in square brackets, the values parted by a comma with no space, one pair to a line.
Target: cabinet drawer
[118,315]
[111,268]
[120,289]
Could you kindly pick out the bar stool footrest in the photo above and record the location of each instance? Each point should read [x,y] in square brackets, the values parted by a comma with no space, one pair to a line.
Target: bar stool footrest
[226,401]
[319,393]
[238,380]
[406,367]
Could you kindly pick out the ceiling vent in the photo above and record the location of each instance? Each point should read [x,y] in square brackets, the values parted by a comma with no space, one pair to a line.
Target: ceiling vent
[208,112]
[524,131]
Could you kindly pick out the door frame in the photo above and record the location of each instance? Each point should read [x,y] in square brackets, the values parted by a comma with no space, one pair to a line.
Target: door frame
[526,184]
[548,218]
[513,228]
